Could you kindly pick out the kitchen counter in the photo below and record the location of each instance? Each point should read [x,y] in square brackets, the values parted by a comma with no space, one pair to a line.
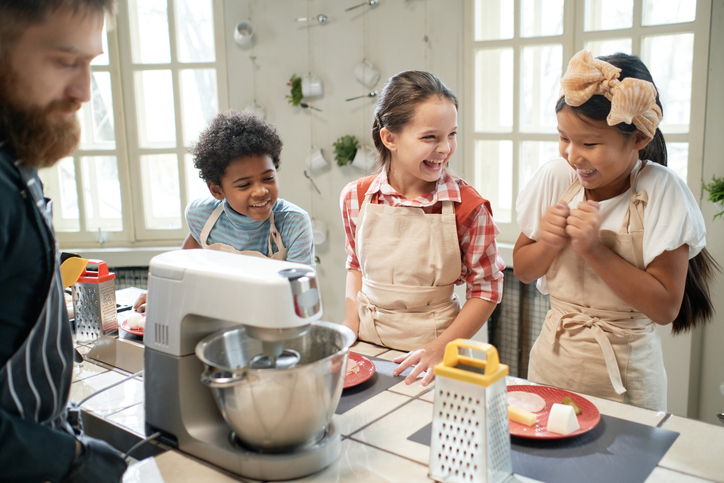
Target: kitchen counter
[375,445]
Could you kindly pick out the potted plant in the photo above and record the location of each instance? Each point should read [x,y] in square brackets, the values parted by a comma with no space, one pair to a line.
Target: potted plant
[295,96]
[716,194]
[345,149]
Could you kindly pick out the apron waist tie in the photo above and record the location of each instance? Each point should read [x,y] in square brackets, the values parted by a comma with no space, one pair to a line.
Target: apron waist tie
[570,321]
[372,309]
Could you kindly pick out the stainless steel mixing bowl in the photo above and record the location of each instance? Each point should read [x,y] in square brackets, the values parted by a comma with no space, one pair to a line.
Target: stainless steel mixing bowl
[277,410]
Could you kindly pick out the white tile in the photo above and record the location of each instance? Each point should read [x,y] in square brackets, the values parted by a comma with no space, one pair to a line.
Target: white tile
[368,411]
[87,369]
[173,466]
[360,463]
[122,396]
[366,349]
[391,354]
[391,432]
[662,475]
[133,418]
[698,451]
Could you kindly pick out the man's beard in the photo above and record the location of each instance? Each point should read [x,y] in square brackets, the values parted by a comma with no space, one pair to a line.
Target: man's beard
[39,137]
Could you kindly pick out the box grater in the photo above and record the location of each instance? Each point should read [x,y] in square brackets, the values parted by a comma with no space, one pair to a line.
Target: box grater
[94,302]
[470,437]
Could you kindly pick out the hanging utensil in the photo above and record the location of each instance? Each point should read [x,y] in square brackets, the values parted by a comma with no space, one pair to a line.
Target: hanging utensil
[371,3]
[369,94]
[304,105]
[311,181]
[321,18]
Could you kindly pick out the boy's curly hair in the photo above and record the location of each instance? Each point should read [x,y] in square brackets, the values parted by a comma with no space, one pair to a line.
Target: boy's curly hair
[233,135]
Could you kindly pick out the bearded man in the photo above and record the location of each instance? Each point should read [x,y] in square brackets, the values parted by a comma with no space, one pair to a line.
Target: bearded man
[46,47]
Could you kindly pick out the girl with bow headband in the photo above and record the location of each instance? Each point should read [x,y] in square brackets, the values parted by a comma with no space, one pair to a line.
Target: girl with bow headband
[614,236]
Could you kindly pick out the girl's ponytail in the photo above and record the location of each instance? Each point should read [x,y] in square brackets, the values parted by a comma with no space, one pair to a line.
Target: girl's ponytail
[656,150]
[696,308]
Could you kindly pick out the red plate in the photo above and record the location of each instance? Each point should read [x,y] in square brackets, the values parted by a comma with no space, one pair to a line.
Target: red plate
[587,420]
[366,370]
[124,326]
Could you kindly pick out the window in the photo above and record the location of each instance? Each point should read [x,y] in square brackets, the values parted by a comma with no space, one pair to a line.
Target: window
[517,51]
[159,84]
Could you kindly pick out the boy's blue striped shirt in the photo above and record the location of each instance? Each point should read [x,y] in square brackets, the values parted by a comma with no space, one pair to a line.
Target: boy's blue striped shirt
[244,233]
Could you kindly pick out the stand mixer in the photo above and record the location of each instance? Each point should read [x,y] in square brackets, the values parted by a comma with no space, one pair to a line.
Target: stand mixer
[273,382]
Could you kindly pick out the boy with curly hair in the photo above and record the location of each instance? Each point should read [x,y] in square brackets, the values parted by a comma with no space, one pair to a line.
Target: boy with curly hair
[238,157]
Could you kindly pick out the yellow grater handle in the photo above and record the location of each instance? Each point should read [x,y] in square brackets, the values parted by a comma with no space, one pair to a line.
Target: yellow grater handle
[452,355]
[493,370]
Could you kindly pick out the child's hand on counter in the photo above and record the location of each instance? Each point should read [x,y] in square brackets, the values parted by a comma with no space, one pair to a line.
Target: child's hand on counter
[424,359]
[140,304]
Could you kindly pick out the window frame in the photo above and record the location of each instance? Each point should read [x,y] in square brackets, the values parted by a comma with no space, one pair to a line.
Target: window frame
[572,40]
[127,151]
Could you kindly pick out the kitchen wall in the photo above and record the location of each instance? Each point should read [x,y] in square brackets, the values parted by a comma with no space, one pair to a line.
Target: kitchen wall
[391,35]
[711,377]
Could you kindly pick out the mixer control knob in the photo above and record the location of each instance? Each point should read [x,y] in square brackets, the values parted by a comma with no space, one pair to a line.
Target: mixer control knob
[304,290]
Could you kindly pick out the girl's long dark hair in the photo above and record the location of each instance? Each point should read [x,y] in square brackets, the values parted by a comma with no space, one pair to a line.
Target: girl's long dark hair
[696,308]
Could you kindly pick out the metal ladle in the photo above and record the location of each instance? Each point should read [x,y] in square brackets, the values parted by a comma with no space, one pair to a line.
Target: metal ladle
[311,181]
[369,94]
[321,18]
[371,3]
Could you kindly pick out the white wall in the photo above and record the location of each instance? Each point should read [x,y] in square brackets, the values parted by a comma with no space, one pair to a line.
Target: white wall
[711,400]
[389,35]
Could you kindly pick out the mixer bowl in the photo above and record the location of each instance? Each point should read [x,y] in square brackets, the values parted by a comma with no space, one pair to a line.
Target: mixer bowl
[277,410]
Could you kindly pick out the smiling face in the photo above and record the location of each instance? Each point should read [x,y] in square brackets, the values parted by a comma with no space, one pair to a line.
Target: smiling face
[45,78]
[250,186]
[423,148]
[602,157]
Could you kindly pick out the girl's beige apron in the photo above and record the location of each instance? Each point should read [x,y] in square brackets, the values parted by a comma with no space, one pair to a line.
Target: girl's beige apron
[409,262]
[274,236]
[592,341]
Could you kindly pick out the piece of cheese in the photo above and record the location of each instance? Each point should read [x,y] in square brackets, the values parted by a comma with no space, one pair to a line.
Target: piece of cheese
[562,419]
[522,416]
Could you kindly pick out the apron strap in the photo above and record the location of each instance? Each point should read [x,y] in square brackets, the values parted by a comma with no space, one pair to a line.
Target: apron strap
[210,224]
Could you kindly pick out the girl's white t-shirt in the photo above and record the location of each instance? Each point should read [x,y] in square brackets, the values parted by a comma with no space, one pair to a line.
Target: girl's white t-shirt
[671,217]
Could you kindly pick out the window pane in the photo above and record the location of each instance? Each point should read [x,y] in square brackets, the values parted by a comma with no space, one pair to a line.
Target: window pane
[608,47]
[539,85]
[494,93]
[541,18]
[149,31]
[608,14]
[155,109]
[678,158]
[161,196]
[102,193]
[660,12]
[59,185]
[494,176]
[195,186]
[195,31]
[199,101]
[493,19]
[534,154]
[96,117]
[103,58]
[669,59]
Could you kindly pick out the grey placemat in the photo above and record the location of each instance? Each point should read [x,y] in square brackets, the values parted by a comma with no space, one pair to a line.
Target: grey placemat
[615,450]
[380,381]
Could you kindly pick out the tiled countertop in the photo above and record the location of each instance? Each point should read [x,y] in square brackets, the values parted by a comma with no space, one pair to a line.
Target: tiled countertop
[375,445]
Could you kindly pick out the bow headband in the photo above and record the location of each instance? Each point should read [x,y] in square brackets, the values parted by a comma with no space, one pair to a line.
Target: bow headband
[633,101]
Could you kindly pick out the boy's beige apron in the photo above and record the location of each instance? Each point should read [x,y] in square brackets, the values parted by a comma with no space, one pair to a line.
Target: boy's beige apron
[274,236]
[409,262]
[592,341]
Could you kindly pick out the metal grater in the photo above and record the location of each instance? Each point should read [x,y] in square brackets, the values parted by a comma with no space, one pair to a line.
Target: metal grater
[470,436]
[94,303]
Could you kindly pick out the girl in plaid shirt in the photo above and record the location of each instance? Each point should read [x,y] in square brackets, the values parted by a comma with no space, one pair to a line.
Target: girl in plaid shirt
[413,231]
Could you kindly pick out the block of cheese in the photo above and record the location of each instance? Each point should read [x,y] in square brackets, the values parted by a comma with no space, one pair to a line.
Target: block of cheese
[562,419]
[522,416]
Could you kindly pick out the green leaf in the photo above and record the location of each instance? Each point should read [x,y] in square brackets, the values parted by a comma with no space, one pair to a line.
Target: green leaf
[295,95]
[345,149]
